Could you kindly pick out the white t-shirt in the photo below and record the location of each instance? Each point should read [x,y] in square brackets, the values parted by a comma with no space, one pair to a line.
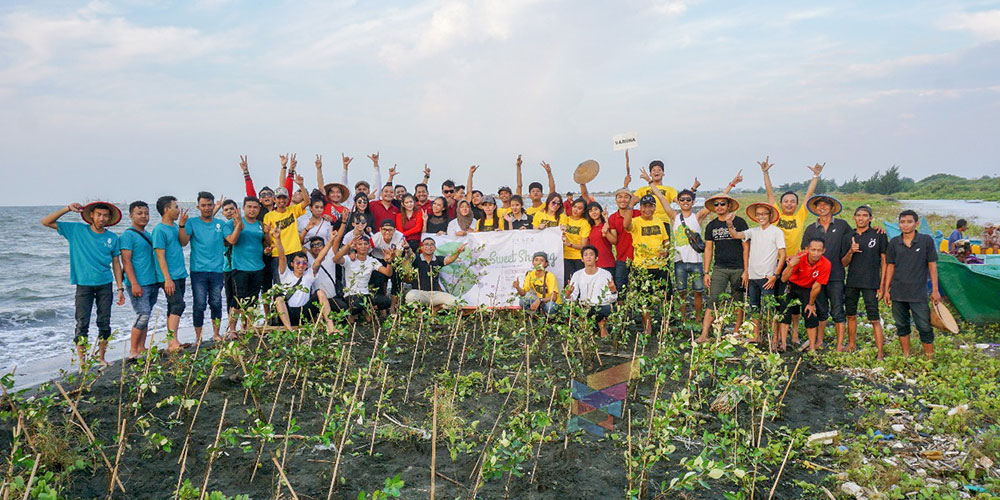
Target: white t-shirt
[325,275]
[592,289]
[358,274]
[299,298]
[322,229]
[382,248]
[764,246]
[453,228]
[684,251]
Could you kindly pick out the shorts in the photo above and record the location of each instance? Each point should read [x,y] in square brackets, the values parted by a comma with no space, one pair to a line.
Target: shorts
[830,302]
[921,313]
[851,296]
[143,306]
[175,302]
[358,303]
[685,270]
[722,279]
[793,292]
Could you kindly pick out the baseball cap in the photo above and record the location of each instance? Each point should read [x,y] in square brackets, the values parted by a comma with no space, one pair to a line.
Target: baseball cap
[647,200]
[504,188]
[278,193]
[489,199]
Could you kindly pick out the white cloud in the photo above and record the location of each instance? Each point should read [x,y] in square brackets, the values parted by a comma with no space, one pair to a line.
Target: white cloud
[889,66]
[670,7]
[984,24]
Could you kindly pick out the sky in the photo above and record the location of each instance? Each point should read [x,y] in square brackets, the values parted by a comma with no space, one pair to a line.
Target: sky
[136,99]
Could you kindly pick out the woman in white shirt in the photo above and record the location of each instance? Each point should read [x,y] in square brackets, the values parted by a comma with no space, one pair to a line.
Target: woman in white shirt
[463,223]
[314,224]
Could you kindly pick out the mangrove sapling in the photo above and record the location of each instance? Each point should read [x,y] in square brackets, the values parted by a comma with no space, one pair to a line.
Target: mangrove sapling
[343,437]
[477,467]
[187,435]
[378,409]
[90,435]
[270,417]
[413,361]
[538,451]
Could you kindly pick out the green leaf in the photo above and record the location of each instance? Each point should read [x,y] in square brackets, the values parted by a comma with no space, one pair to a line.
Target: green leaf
[716,473]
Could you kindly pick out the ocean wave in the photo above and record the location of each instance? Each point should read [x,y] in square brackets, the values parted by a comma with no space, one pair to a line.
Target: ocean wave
[33,318]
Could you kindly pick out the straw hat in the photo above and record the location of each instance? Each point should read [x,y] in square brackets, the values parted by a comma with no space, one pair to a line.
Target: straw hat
[752,211]
[586,172]
[345,194]
[733,204]
[116,213]
[816,198]
[942,319]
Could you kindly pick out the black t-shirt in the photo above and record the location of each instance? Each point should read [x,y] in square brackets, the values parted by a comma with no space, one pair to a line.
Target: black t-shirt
[427,273]
[909,279]
[728,251]
[437,223]
[478,213]
[865,270]
[523,223]
[833,237]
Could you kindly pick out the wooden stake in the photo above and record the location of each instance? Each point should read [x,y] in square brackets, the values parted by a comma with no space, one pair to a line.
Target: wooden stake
[378,410]
[343,437]
[281,472]
[782,468]
[790,378]
[90,435]
[211,455]
[434,434]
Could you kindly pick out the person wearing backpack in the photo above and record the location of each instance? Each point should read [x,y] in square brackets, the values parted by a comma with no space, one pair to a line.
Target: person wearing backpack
[732,256]
[139,265]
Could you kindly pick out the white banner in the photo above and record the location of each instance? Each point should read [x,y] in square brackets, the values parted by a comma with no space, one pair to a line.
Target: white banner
[485,272]
[627,140]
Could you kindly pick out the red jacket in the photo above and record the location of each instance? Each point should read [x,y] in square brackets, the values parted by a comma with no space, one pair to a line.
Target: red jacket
[413,228]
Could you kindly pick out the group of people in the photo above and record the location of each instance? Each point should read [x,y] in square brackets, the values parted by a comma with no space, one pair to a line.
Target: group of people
[962,248]
[331,249]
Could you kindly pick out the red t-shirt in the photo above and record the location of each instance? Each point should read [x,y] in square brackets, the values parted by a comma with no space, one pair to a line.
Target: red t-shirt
[413,228]
[426,206]
[380,213]
[330,207]
[605,258]
[805,274]
[624,245]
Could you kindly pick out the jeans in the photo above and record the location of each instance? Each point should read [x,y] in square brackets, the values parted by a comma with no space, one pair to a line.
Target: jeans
[921,312]
[756,292]
[143,306]
[685,270]
[175,302]
[86,296]
[621,276]
[830,302]
[206,287]
[247,285]
[546,307]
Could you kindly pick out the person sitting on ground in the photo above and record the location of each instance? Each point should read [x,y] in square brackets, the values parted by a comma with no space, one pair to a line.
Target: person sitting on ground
[958,234]
[805,274]
[911,259]
[593,287]
[463,223]
[864,253]
[427,287]
[767,259]
[295,304]
[359,268]
[93,265]
[990,237]
[324,287]
[540,290]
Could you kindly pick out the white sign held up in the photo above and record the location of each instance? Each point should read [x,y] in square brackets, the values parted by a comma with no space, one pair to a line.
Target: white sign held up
[627,140]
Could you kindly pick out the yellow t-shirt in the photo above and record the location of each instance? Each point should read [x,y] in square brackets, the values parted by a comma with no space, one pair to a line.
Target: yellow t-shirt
[486,224]
[532,210]
[793,226]
[501,211]
[542,220]
[576,231]
[543,286]
[648,239]
[668,192]
[289,229]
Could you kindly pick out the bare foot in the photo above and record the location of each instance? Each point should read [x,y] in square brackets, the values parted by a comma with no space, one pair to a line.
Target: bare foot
[840,348]
[218,338]
[851,348]
[701,339]
[103,363]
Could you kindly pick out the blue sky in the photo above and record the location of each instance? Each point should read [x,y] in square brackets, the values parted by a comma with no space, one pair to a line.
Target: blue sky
[125,100]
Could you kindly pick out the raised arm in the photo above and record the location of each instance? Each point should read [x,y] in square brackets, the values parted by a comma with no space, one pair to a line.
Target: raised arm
[333,243]
[816,170]
[552,180]
[628,172]
[305,194]
[237,228]
[182,235]
[343,175]
[703,212]
[319,175]
[427,175]
[764,167]
[49,221]
[517,167]
[454,255]
[247,181]
[468,184]
[658,194]
[585,194]
[376,189]
[282,175]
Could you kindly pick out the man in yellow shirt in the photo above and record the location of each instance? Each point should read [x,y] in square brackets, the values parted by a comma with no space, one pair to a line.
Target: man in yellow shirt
[656,173]
[540,290]
[283,217]
[791,222]
[649,241]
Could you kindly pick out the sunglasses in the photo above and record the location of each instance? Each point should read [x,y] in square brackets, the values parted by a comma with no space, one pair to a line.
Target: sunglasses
[721,203]
[448,191]
[685,199]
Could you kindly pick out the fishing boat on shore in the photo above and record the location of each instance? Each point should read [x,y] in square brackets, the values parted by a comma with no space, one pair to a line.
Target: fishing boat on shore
[972,288]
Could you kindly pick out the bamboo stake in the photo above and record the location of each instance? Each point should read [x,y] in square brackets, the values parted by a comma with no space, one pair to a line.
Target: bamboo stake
[434,434]
[31,480]
[777,478]
[477,467]
[538,451]
[378,410]
[118,456]
[284,478]
[284,449]
[413,362]
[343,437]
[90,435]
[211,455]
[270,417]
[790,378]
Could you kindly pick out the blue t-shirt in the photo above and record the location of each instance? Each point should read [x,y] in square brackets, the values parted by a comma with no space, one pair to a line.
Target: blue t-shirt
[953,237]
[166,237]
[143,258]
[90,253]
[248,252]
[207,246]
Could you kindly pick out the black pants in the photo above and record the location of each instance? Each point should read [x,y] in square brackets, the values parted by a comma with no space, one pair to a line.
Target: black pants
[86,296]
[247,285]
[793,292]
[358,303]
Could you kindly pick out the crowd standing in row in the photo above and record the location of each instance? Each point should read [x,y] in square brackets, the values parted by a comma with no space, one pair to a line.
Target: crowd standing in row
[331,251]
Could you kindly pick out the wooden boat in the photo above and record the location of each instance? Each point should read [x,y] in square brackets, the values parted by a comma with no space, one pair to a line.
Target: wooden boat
[972,288]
